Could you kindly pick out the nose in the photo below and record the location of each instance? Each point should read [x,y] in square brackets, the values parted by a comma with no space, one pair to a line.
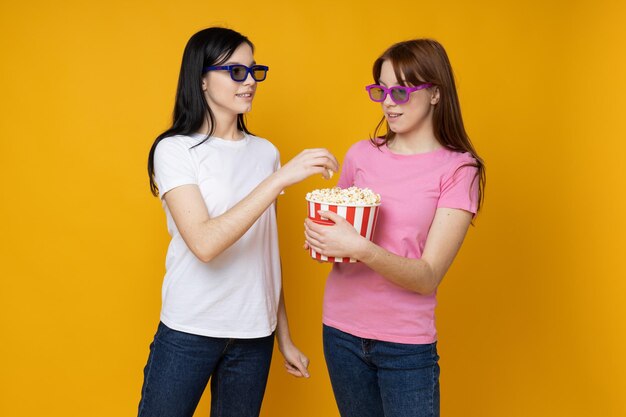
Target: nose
[249,80]
[387,102]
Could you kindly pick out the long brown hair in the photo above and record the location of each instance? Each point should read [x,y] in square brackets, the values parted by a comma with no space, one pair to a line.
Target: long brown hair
[425,60]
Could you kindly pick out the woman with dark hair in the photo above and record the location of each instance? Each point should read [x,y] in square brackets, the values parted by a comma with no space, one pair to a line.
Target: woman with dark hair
[379,314]
[222,299]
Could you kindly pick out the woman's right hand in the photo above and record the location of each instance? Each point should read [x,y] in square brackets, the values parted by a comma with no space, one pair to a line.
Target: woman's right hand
[306,163]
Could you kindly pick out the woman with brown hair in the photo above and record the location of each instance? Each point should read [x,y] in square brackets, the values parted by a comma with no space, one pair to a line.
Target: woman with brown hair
[379,314]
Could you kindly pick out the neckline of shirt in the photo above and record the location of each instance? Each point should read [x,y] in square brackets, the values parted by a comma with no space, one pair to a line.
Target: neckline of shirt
[435,152]
[226,142]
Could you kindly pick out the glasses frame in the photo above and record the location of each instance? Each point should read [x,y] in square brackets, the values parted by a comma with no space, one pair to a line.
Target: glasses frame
[249,71]
[389,91]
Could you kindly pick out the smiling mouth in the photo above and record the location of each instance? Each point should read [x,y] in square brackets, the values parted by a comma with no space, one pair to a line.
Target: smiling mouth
[244,95]
[393,115]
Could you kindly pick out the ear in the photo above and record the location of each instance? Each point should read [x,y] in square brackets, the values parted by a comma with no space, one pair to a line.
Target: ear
[205,85]
[434,99]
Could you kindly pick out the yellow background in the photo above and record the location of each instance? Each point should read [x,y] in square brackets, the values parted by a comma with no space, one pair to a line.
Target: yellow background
[532,313]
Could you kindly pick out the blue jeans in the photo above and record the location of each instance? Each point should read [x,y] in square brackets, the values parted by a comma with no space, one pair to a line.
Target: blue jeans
[180,365]
[372,378]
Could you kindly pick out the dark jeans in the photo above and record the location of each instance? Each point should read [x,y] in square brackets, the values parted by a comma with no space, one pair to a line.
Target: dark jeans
[372,378]
[180,365]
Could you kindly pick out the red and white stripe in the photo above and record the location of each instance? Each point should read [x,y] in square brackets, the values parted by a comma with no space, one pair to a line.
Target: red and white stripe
[362,218]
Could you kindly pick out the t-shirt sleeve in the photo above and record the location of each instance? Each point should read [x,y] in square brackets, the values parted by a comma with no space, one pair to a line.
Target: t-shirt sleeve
[173,166]
[459,189]
[346,178]
[277,164]
[277,159]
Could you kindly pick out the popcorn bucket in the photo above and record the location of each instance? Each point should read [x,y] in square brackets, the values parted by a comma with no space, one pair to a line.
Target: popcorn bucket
[362,217]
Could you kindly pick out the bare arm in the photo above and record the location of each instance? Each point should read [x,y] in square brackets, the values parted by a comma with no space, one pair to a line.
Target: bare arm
[296,362]
[419,275]
[208,237]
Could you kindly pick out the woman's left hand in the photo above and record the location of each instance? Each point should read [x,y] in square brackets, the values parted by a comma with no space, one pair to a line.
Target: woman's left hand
[296,362]
[340,240]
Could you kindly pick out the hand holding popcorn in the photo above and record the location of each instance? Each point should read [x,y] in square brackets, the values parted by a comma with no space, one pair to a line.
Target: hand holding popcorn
[349,215]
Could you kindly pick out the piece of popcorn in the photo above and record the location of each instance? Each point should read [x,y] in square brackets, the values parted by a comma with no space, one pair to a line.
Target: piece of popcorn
[350,196]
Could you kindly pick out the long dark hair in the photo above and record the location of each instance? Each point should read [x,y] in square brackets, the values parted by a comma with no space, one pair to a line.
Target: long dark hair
[212,46]
[425,60]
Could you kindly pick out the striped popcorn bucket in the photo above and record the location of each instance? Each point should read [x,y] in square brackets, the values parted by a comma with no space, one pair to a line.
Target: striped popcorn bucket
[363,218]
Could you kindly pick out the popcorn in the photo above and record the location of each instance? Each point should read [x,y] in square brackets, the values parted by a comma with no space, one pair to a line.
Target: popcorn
[346,196]
[359,206]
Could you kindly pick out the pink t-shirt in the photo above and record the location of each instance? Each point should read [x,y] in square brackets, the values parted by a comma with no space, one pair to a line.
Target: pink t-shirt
[358,300]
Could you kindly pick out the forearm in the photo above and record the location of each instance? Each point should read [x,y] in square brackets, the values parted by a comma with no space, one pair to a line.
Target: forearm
[423,275]
[219,233]
[208,237]
[416,275]
[296,362]
[282,327]
[283,336]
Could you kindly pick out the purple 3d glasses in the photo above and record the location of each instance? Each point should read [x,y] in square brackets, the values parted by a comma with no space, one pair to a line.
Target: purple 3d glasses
[399,94]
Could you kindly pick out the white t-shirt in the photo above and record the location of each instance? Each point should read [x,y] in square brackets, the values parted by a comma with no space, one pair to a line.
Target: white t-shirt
[236,294]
